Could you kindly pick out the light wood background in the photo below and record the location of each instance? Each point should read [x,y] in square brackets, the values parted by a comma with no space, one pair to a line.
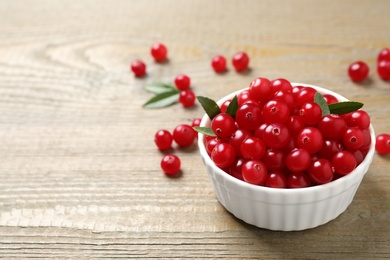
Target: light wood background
[80,175]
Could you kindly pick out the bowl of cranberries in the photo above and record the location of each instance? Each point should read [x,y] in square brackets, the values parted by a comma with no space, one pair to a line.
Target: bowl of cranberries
[285,156]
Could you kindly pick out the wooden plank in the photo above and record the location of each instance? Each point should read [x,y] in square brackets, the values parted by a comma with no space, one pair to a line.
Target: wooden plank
[79,171]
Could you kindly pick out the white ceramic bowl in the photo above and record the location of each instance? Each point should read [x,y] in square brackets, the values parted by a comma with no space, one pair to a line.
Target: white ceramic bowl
[285,209]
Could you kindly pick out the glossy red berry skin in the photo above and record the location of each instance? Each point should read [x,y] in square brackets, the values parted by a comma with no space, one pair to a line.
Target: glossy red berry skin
[184,135]
[243,97]
[358,71]
[305,94]
[248,117]
[275,111]
[276,135]
[159,52]
[275,159]
[182,82]
[240,61]
[163,139]
[332,126]
[253,148]
[139,68]
[187,98]
[260,89]
[235,169]
[295,124]
[383,69]
[225,105]
[298,160]
[223,155]
[384,55]
[320,171]
[211,144]
[170,164]
[382,145]
[344,162]
[276,180]
[196,122]
[358,118]
[330,148]
[237,138]
[330,99]
[310,113]
[353,138]
[310,139]
[223,125]
[297,180]
[254,172]
[218,63]
[281,85]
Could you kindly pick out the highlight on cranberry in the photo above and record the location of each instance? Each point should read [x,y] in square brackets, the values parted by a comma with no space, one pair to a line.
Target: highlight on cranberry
[170,164]
[240,61]
[279,136]
[218,63]
[358,71]
[159,52]
[382,145]
[138,67]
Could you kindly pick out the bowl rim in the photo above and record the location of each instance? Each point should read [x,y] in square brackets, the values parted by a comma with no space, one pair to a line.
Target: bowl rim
[346,180]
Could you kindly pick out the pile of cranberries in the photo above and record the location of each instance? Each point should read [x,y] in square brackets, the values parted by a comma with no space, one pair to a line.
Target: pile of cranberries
[278,137]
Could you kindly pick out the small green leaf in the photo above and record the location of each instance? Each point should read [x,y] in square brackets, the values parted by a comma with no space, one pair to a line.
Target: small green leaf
[232,108]
[210,106]
[204,130]
[160,87]
[320,100]
[162,100]
[344,107]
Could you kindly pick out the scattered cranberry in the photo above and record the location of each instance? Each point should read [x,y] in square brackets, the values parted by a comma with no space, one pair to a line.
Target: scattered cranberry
[384,55]
[159,52]
[170,164]
[183,135]
[187,98]
[382,145]
[219,64]
[383,69]
[182,82]
[358,71]
[163,139]
[138,67]
[240,61]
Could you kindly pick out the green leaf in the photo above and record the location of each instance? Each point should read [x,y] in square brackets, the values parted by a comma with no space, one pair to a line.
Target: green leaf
[204,130]
[160,87]
[232,108]
[320,100]
[210,106]
[344,107]
[162,100]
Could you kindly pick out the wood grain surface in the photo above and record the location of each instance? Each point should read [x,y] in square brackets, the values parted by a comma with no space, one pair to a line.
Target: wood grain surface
[80,175]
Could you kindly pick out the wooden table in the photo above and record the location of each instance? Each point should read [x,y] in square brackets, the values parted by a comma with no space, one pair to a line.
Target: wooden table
[80,174]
